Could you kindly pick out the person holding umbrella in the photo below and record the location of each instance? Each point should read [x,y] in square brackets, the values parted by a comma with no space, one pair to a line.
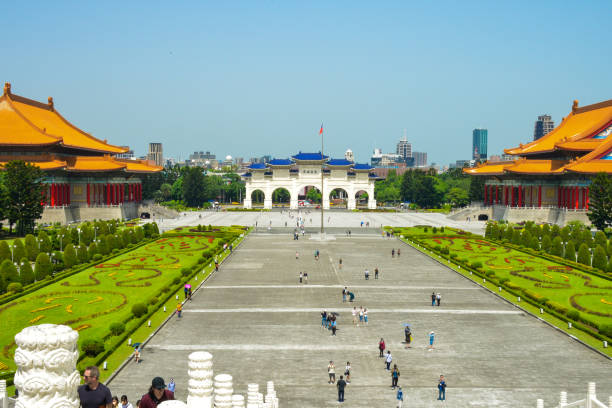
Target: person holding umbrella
[407,334]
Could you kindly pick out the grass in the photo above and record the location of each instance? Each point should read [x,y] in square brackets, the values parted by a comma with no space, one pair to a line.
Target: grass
[98,296]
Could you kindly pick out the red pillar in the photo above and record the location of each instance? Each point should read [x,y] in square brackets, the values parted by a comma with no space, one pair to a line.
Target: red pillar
[576,198]
[68,189]
[539,196]
[587,199]
[520,196]
[485,194]
[107,194]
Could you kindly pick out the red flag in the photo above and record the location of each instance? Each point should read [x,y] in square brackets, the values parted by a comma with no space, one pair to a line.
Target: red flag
[321,131]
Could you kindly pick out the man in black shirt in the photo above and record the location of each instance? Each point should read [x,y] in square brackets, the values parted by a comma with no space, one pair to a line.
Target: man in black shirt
[93,394]
[341,384]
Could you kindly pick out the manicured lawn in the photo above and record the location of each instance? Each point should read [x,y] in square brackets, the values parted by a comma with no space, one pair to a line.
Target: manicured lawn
[93,299]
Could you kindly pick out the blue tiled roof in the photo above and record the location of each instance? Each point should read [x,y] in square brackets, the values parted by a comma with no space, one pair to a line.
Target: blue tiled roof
[280,162]
[257,166]
[246,175]
[339,162]
[361,166]
[309,156]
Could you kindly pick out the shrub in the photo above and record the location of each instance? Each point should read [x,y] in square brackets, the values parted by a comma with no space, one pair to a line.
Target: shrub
[117,328]
[503,280]
[476,264]
[185,271]
[92,347]
[42,267]
[453,256]
[153,300]
[14,287]
[26,272]
[600,260]
[18,250]
[70,256]
[535,296]
[9,273]
[31,247]
[5,251]
[535,243]
[546,243]
[165,289]
[434,230]
[584,255]
[557,246]
[176,281]
[570,251]
[97,257]
[512,285]
[600,239]
[139,309]
[573,314]
[557,307]
[606,330]
[201,260]
[490,274]
[441,229]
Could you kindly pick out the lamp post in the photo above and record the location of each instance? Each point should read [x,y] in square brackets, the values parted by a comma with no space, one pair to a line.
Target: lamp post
[79,231]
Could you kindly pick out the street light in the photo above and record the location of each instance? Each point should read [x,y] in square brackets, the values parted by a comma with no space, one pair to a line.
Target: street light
[79,231]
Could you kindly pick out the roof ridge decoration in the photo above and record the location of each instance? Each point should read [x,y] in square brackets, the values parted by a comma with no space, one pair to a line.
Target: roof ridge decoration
[8,97]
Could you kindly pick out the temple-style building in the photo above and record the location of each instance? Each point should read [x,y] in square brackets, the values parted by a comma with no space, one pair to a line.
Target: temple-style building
[303,171]
[549,181]
[83,177]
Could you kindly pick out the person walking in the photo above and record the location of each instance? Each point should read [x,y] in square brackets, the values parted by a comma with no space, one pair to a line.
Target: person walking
[441,389]
[433,298]
[393,253]
[365,316]
[324,318]
[400,397]
[408,336]
[398,252]
[341,385]
[171,385]
[347,372]
[331,371]
[334,326]
[156,395]
[301,276]
[375,273]
[388,360]
[179,309]
[340,263]
[354,312]
[93,393]
[124,402]
[360,314]
[381,347]
[438,299]
[432,336]
[137,354]
[367,274]
[305,277]
[297,254]
[344,293]
[395,374]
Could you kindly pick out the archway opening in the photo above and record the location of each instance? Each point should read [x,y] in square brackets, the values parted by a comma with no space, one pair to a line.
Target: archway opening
[257,198]
[309,196]
[483,217]
[281,197]
[361,199]
[338,198]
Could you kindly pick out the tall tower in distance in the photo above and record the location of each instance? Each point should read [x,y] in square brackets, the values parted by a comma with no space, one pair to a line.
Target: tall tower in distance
[543,126]
[156,154]
[404,149]
[479,144]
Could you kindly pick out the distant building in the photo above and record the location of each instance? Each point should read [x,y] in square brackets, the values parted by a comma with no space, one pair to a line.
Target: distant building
[127,155]
[463,163]
[202,156]
[479,144]
[420,159]
[404,149]
[380,159]
[156,154]
[348,155]
[542,126]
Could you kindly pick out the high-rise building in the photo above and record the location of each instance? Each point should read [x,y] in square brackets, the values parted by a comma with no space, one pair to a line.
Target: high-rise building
[156,154]
[404,149]
[543,126]
[348,155]
[420,159]
[479,144]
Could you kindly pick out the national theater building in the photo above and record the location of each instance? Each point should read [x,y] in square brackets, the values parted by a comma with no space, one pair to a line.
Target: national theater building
[549,180]
[84,179]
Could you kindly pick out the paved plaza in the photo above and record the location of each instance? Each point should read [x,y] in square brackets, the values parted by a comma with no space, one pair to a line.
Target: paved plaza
[260,324]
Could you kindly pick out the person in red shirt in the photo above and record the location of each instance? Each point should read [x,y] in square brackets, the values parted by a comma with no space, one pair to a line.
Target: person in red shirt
[381,347]
[156,395]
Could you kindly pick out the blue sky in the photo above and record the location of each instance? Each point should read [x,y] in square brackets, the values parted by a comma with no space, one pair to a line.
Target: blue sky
[254,78]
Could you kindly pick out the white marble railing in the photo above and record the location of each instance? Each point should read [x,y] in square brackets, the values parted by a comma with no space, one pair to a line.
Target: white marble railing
[590,401]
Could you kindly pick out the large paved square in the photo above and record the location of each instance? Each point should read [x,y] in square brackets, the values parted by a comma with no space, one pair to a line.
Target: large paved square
[260,324]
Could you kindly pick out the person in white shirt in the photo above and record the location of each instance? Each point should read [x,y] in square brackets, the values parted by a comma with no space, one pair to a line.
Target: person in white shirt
[388,360]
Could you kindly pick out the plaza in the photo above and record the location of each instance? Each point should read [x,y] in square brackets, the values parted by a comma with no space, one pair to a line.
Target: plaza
[260,324]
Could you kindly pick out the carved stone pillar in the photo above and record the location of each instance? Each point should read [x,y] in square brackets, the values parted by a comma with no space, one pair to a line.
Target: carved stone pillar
[172,404]
[200,385]
[253,396]
[223,391]
[237,401]
[46,374]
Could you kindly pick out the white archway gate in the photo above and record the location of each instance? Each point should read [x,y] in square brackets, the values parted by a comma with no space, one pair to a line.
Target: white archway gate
[304,169]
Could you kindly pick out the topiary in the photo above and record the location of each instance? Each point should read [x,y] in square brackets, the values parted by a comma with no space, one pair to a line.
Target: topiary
[476,264]
[14,287]
[153,300]
[97,257]
[26,272]
[600,260]
[606,330]
[92,347]
[584,255]
[176,280]
[31,247]
[42,267]
[70,256]
[570,251]
[139,309]
[573,314]
[117,328]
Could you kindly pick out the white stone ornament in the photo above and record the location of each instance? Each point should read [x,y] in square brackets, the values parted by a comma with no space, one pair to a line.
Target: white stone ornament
[237,401]
[46,375]
[252,396]
[200,385]
[223,391]
[172,404]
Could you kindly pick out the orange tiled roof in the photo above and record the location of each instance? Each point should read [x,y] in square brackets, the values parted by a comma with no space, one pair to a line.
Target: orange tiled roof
[582,123]
[25,120]
[44,165]
[527,166]
[584,145]
[137,166]
[488,169]
[592,167]
[94,163]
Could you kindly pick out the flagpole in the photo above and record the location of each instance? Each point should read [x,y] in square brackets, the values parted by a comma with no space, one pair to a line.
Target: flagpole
[321,181]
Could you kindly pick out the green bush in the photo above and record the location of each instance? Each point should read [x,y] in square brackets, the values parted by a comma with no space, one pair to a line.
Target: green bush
[606,330]
[92,347]
[185,271]
[201,260]
[534,296]
[176,281]
[557,307]
[570,251]
[14,287]
[557,246]
[434,230]
[117,328]
[512,285]
[26,272]
[70,256]
[153,300]
[97,257]
[139,309]
[600,260]
[490,274]
[476,264]
[42,267]
[31,247]
[9,274]
[573,314]
[584,255]
[546,243]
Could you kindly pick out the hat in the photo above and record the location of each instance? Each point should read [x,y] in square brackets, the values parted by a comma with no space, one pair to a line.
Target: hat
[158,383]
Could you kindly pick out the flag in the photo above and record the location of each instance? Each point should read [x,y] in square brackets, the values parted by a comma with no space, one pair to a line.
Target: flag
[321,131]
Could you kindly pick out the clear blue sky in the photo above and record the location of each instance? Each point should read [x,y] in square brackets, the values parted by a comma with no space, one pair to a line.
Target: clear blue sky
[253,78]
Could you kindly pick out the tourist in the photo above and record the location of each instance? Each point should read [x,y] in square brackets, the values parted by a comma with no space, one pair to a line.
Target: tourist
[301,276]
[157,394]
[393,253]
[408,336]
[351,296]
[388,360]
[189,294]
[341,385]
[367,274]
[375,273]
[344,293]
[433,298]
[365,316]
[334,326]
[360,314]
[432,336]
[137,354]
[186,290]
[305,277]
[340,263]
[171,385]
[124,402]
[115,401]
[441,388]
[297,255]
[354,312]
[398,252]
[381,347]
[347,372]
[179,309]
[400,397]
[216,265]
[438,299]
[94,394]
[324,318]
[138,403]
[395,374]
[331,371]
